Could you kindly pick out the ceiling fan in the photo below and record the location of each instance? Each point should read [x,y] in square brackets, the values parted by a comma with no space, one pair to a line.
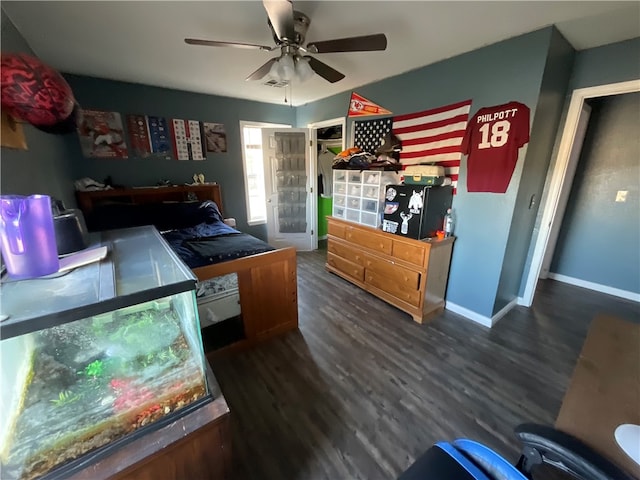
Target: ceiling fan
[289,28]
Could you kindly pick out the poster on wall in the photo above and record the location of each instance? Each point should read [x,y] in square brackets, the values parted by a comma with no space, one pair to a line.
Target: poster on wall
[101,134]
[216,137]
[188,140]
[149,136]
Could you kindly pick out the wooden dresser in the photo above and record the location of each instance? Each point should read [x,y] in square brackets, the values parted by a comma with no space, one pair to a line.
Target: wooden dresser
[409,274]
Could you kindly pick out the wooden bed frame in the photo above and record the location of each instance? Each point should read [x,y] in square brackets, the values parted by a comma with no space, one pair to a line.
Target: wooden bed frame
[267,282]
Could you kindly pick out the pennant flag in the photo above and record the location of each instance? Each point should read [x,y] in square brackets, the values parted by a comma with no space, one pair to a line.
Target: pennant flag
[361,107]
[368,134]
[434,136]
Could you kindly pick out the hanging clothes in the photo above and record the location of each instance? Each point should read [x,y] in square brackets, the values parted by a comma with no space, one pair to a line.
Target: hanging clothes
[325,161]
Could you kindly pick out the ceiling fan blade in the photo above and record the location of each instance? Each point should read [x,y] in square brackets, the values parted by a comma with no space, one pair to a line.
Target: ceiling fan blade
[280,14]
[262,71]
[325,71]
[214,43]
[366,43]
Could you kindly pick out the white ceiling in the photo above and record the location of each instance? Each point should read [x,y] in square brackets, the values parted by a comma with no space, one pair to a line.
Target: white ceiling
[142,42]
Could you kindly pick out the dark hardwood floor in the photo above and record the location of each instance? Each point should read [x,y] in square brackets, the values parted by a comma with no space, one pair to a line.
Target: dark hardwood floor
[361,390]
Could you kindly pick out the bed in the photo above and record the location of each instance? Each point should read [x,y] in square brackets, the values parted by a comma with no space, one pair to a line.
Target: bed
[245,286]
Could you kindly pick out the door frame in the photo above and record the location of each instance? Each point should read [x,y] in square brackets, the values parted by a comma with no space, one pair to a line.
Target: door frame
[562,176]
[338,121]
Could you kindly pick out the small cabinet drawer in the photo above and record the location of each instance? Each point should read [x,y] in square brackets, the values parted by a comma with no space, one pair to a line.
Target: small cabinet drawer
[345,251]
[354,190]
[409,252]
[345,266]
[355,177]
[370,205]
[336,229]
[371,192]
[369,239]
[372,178]
[353,202]
[353,215]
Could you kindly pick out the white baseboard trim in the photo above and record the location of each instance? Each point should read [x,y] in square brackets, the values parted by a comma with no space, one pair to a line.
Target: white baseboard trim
[520,301]
[504,310]
[481,319]
[596,286]
[469,314]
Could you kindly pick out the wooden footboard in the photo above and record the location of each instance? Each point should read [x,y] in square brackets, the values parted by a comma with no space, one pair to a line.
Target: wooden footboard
[268,288]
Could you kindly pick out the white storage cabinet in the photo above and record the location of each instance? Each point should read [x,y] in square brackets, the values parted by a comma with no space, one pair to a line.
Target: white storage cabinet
[358,196]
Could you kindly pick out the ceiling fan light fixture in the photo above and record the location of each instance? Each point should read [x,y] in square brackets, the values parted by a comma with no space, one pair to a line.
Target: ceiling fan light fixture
[286,67]
[303,70]
[289,67]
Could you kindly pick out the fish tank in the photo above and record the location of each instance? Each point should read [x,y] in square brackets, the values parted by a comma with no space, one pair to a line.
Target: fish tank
[97,356]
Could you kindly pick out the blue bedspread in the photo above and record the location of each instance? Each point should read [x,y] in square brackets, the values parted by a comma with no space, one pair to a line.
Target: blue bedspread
[209,243]
[195,230]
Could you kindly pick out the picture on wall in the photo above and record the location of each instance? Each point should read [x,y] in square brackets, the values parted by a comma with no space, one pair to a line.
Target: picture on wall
[216,137]
[149,136]
[188,140]
[12,133]
[101,134]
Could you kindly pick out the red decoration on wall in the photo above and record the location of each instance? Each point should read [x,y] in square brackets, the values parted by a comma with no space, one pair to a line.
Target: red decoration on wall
[35,92]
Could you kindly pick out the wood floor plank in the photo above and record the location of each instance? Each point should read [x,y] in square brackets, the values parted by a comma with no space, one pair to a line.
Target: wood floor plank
[361,390]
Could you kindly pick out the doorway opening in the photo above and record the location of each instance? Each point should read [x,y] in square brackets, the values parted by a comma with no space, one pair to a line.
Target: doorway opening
[329,138]
[562,177]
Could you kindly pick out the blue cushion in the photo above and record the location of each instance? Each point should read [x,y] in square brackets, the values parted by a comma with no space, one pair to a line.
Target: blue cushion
[489,461]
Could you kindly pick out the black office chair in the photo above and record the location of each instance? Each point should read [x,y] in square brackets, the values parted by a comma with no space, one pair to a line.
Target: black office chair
[465,459]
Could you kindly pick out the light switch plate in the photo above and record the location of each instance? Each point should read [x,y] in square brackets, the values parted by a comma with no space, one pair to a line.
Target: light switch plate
[621,196]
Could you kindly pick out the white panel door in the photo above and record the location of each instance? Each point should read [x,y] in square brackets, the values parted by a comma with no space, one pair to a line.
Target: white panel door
[288,175]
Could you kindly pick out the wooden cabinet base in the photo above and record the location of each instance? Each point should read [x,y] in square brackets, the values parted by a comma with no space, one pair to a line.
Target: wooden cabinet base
[409,274]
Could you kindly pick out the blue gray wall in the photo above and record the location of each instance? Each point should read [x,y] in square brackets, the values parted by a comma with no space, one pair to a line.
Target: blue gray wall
[543,133]
[46,166]
[599,239]
[616,62]
[509,70]
[224,168]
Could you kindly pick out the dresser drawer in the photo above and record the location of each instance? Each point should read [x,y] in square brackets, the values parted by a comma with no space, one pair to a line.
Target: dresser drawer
[405,292]
[368,239]
[345,251]
[353,270]
[336,229]
[409,252]
[393,279]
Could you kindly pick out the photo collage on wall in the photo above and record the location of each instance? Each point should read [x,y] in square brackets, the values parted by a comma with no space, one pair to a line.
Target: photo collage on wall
[102,135]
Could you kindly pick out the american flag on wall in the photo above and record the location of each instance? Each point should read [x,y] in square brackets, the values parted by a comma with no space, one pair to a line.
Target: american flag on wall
[434,136]
[431,136]
[368,134]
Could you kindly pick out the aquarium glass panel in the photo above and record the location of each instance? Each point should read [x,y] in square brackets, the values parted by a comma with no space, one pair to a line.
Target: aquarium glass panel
[75,387]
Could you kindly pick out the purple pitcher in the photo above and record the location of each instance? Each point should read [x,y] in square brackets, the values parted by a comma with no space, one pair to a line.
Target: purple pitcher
[27,236]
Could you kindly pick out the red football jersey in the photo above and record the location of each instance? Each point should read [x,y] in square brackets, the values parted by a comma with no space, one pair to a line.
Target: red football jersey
[491,141]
